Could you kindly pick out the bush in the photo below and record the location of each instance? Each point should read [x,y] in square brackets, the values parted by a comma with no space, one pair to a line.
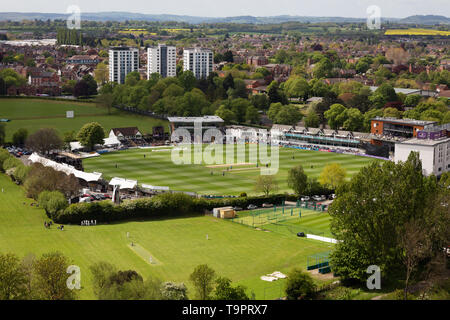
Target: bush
[20,173]
[11,162]
[174,291]
[4,155]
[299,285]
[52,202]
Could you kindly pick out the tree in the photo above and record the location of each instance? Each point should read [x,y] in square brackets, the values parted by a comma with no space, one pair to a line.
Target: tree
[289,114]
[81,89]
[40,178]
[297,180]
[173,90]
[91,134]
[69,87]
[266,184]
[203,279]
[311,120]
[354,120]
[101,73]
[52,202]
[391,113]
[332,176]
[228,56]
[336,116]
[297,87]
[369,215]
[368,116]
[387,91]
[132,78]
[276,94]
[174,291]
[252,115]
[228,82]
[91,84]
[416,246]
[226,114]
[13,278]
[105,100]
[44,140]
[299,285]
[50,276]
[19,137]
[187,80]
[323,68]
[101,273]
[225,291]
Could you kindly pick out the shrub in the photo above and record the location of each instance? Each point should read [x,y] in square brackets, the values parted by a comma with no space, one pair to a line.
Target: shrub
[4,155]
[52,202]
[174,291]
[20,173]
[11,162]
[299,285]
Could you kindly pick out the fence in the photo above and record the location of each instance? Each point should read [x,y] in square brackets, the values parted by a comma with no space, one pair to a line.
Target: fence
[282,219]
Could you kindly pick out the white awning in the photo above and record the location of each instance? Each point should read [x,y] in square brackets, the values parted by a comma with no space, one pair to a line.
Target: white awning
[67,169]
[123,183]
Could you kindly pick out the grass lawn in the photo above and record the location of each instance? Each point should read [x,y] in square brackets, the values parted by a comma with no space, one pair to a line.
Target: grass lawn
[158,169]
[33,114]
[178,245]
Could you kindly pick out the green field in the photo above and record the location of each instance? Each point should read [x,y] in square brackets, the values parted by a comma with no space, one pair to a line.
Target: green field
[177,245]
[33,114]
[158,169]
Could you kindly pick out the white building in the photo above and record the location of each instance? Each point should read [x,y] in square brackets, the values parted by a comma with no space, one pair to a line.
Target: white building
[199,61]
[122,61]
[163,60]
[434,154]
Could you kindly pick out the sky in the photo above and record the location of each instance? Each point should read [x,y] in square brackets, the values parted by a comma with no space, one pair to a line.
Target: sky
[226,8]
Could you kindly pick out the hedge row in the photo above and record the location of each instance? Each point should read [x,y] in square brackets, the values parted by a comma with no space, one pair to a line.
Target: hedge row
[89,100]
[161,206]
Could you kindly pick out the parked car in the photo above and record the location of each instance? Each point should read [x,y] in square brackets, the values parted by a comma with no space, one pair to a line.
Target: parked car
[252,207]
[237,209]
[323,197]
[317,198]
[267,205]
[332,196]
[305,198]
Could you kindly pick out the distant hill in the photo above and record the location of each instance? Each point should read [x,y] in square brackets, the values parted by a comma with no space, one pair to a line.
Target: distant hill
[428,19]
[122,16]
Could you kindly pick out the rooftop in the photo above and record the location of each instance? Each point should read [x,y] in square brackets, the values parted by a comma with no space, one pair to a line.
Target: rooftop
[195,119]
[400,90]
[405,121]
[425,142]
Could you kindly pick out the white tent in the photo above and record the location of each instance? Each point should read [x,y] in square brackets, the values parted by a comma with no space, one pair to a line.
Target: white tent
[110,141]
[86,176]
[159,188]
[123,183]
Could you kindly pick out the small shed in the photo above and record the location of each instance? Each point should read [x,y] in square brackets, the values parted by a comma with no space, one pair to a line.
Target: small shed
[216,211]
[227,213]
